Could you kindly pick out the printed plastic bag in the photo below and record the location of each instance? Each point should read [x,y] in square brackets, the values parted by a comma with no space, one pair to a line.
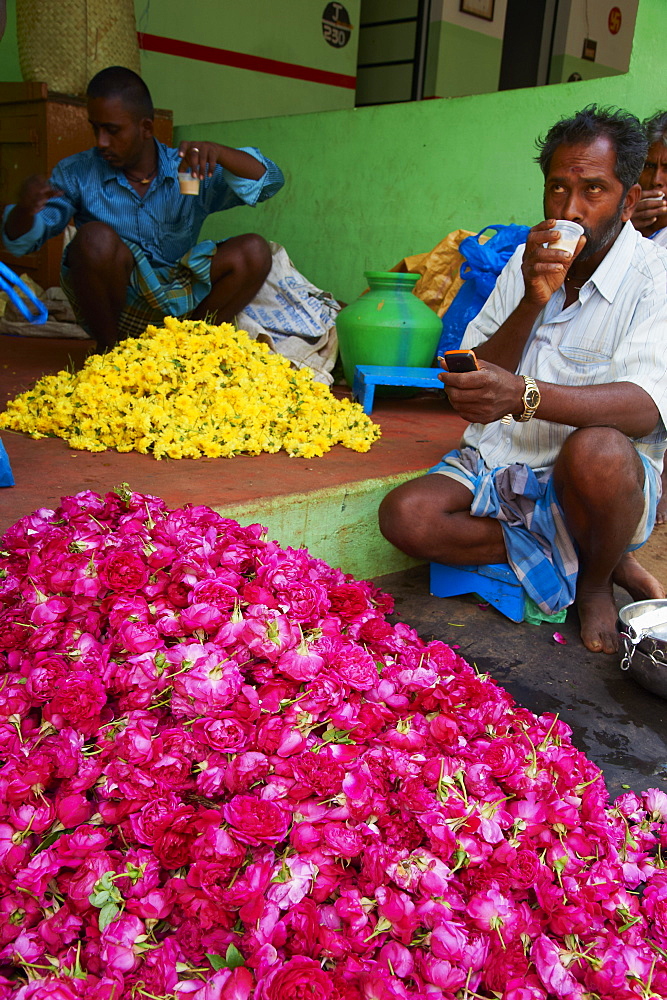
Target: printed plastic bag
[294,317]
[482,263]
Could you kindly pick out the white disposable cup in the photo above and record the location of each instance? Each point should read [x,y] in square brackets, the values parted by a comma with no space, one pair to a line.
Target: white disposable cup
[187,183]
[569,235]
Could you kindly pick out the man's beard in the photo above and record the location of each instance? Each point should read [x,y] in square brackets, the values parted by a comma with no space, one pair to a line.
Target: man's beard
[606,233]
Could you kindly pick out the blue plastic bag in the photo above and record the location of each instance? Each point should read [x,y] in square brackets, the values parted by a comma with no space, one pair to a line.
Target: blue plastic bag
[6,477]
[481,266]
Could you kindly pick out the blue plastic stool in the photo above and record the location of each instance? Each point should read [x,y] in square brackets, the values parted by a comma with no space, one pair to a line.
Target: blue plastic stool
[496,584]
[366,377]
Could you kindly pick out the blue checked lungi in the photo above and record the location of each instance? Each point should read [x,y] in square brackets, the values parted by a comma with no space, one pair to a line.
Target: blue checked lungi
[540,549]
[156,292]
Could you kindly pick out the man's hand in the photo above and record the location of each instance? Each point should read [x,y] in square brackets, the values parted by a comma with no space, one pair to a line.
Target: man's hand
[544,269]
[200,157]
[648,209]
[34,194]
[485,395]
[203,157]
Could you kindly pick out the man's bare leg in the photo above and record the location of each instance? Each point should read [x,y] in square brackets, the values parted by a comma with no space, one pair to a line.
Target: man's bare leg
[599,481]
[429,518]
[661,514]
[100,268]
[238,271]
[636,579]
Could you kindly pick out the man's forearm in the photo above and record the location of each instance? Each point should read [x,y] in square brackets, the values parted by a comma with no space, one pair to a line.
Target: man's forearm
[238,162]
[623,405]
[506,345]
[18,222]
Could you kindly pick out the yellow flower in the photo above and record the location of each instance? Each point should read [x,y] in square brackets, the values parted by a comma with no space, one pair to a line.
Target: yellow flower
[190,389]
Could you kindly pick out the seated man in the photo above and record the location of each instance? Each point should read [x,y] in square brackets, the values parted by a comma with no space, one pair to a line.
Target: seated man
[650,214]
[135,256]
[568,486]
[650,218]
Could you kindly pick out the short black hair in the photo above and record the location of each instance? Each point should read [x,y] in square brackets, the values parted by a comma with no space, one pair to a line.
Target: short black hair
[625,132]
[119,81]
[656,128]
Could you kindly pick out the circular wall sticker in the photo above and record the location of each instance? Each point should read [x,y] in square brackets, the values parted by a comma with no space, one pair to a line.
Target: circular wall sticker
[615,20]
[336,26]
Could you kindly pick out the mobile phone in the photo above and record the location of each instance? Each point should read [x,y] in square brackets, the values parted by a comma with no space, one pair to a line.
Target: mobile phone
[460,361]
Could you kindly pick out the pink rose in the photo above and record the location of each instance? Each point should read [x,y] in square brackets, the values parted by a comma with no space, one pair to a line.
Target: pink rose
[343,842]
[124,572]
[47,989]
[353,666]
[78,702]
[118,940]
[349,600]
[225,734]
[256,821]
[139,637]
[300,977]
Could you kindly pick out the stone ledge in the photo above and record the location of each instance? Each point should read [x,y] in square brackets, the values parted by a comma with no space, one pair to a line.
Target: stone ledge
[337,524]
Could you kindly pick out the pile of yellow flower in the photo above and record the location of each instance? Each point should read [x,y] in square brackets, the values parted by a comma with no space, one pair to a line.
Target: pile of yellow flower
[191,390]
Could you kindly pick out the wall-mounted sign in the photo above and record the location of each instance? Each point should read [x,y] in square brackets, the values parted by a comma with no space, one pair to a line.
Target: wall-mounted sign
[336,26]
[478,8]
[590,48]
[615,20]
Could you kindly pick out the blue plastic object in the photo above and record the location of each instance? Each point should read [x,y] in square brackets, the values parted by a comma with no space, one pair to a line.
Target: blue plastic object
[12,285]
[6,477]
[366,377]
[496,583]
[482,263]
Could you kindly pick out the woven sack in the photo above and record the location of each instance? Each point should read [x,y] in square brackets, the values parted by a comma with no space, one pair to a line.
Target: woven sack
[64,43]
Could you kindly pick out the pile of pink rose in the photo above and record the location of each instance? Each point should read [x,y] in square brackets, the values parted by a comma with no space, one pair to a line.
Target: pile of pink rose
[226,776]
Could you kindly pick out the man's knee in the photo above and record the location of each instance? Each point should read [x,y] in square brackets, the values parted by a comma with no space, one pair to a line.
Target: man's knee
[248,255]
[97,244]
[257,254]
[405,514]
[396,513]
[594,456]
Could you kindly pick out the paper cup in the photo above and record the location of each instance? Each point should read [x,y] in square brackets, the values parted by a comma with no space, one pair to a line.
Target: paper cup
[569,235]
[187,183]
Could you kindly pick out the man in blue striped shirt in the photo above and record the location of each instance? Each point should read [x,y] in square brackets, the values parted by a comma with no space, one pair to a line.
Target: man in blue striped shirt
[135,256]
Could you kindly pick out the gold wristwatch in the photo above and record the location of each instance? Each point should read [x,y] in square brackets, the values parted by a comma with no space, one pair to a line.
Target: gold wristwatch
[531,399]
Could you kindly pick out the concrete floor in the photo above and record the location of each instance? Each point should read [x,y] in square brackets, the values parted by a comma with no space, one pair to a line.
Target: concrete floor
[618,724]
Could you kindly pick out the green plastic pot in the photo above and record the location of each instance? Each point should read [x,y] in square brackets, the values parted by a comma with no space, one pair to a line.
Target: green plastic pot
[388,326]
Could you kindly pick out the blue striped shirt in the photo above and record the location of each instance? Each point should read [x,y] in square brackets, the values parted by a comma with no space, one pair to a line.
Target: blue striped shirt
[616,331]
[164,223]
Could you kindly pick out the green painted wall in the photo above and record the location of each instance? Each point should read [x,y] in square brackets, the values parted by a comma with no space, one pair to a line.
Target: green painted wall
[563,66]
[10,71]
[468,62]
[368,186]
[290,31]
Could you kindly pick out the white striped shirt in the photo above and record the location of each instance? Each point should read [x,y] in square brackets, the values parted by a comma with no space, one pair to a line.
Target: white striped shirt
[615,332]
[660,238]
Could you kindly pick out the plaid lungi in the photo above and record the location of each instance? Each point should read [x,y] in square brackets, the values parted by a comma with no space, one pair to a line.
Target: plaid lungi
[540,549]
[156,292]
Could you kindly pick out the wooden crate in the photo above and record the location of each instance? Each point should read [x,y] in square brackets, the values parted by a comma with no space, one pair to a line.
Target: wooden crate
[37,129]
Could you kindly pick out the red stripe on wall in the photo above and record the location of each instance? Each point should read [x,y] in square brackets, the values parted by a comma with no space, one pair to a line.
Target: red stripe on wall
[240,60]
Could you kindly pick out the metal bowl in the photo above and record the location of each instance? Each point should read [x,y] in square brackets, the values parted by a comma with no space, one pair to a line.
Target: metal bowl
[645,650]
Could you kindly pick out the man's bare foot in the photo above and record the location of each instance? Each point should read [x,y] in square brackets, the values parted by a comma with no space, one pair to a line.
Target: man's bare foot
[661,512]
[597,616]
[639,583]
